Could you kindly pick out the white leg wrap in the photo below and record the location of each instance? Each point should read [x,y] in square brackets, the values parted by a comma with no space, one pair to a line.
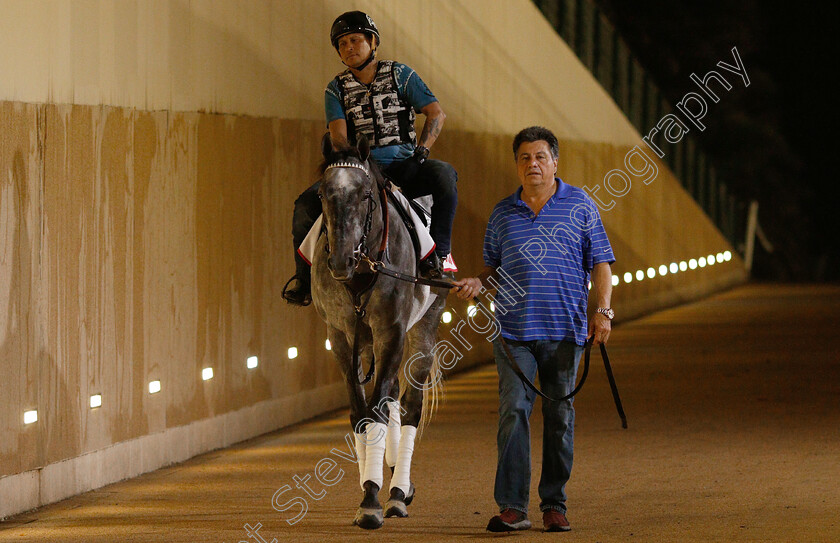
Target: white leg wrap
[360,458]
[374,452]
[402,472]
[392,441]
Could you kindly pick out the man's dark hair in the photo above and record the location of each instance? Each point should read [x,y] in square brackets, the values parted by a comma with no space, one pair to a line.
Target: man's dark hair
[537,133]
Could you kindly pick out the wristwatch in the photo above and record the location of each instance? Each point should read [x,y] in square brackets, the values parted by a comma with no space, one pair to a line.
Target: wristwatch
[421,154]
[606,311]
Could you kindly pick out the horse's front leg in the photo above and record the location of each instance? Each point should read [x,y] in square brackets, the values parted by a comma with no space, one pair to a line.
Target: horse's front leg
[355,392]
[417,369]
[387,348]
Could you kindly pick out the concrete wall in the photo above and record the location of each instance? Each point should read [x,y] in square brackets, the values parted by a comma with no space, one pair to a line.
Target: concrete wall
[150,153]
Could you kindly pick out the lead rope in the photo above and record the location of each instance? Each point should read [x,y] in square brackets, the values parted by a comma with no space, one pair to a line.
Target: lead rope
[587,355]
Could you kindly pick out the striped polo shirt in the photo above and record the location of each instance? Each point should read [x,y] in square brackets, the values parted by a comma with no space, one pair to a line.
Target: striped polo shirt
[544,262]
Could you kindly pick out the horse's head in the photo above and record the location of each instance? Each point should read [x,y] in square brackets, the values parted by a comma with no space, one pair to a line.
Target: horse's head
[347,193]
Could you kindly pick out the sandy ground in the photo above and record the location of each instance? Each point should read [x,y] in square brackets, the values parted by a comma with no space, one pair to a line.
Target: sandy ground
[734,435]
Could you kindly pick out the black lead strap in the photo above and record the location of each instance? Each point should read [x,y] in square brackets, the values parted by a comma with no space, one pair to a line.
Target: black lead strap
[587,355]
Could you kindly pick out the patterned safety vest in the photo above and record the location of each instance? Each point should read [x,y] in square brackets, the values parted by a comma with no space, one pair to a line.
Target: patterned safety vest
[380,113]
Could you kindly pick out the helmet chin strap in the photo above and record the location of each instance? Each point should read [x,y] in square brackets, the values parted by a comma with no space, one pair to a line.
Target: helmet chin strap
[364,64]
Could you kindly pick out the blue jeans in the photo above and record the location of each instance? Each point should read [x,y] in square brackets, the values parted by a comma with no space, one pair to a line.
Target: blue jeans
[557,363]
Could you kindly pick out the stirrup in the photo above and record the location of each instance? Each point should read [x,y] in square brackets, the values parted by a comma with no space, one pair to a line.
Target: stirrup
[297,296]
[430,267]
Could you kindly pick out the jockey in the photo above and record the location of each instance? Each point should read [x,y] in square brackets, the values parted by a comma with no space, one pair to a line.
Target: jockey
[379,99]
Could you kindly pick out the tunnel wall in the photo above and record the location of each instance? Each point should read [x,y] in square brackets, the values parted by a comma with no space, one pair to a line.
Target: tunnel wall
[151,153]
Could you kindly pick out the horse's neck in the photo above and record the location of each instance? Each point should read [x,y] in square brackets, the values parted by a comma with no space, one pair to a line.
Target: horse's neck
[376,224]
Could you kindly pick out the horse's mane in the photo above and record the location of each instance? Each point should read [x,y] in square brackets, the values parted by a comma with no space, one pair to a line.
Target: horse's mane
[342,155]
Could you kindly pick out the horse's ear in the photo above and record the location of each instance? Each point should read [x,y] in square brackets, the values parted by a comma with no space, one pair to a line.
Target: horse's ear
[326,145]
[364,148]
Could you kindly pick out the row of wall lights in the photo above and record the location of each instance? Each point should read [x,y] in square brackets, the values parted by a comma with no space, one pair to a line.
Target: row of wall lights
[30,417]
[252,362]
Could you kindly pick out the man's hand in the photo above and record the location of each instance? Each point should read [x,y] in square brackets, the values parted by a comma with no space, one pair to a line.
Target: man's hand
[599,328]
[467,288]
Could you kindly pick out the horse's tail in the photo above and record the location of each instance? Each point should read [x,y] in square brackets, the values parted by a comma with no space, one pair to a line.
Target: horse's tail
[432,394]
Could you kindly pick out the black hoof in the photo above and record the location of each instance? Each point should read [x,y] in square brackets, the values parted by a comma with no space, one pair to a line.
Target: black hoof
[410,497]
[396,506]
[369,519]
[369,515]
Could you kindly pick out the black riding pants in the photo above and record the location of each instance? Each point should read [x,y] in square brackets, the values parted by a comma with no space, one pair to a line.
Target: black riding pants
[433,177]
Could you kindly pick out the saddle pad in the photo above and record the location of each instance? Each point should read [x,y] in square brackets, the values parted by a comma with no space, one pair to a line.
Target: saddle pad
[427,244]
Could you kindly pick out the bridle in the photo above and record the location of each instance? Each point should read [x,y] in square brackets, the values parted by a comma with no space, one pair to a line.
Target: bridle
[358,288]
[360,252]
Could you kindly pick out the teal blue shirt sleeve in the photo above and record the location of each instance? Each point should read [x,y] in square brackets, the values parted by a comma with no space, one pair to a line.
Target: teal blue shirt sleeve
[332,102]
[412,88]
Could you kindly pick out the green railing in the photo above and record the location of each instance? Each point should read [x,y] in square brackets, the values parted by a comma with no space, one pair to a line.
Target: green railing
[605,53]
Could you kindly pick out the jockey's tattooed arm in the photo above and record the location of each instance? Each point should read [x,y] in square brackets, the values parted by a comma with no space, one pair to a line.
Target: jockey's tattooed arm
[433,125]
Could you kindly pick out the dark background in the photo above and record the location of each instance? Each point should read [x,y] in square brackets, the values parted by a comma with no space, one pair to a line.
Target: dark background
[774,141]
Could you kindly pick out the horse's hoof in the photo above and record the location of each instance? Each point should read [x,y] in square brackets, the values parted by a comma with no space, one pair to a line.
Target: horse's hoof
[397,503]
[395,508]
[369,519]
[410,497]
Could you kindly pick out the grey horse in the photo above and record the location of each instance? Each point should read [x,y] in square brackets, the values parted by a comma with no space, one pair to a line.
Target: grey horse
[385,423]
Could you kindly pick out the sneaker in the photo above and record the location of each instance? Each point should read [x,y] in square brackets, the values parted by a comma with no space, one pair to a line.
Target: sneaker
[298,293]
[509,520]
[449,264]
[555,521]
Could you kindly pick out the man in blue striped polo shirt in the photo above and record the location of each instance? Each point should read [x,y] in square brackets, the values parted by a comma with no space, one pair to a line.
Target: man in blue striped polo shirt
[542,245]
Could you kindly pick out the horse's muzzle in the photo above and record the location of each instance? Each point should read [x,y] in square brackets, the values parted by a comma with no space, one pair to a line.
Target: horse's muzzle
[342,275]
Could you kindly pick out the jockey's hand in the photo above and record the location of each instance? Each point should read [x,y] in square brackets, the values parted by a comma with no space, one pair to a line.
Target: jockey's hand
[467,288]
[599,328]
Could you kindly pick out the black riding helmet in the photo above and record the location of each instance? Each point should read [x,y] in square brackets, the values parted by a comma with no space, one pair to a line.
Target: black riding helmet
[352,22]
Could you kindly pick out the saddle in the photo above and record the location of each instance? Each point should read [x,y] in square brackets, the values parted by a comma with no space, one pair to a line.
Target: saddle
[413,214]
